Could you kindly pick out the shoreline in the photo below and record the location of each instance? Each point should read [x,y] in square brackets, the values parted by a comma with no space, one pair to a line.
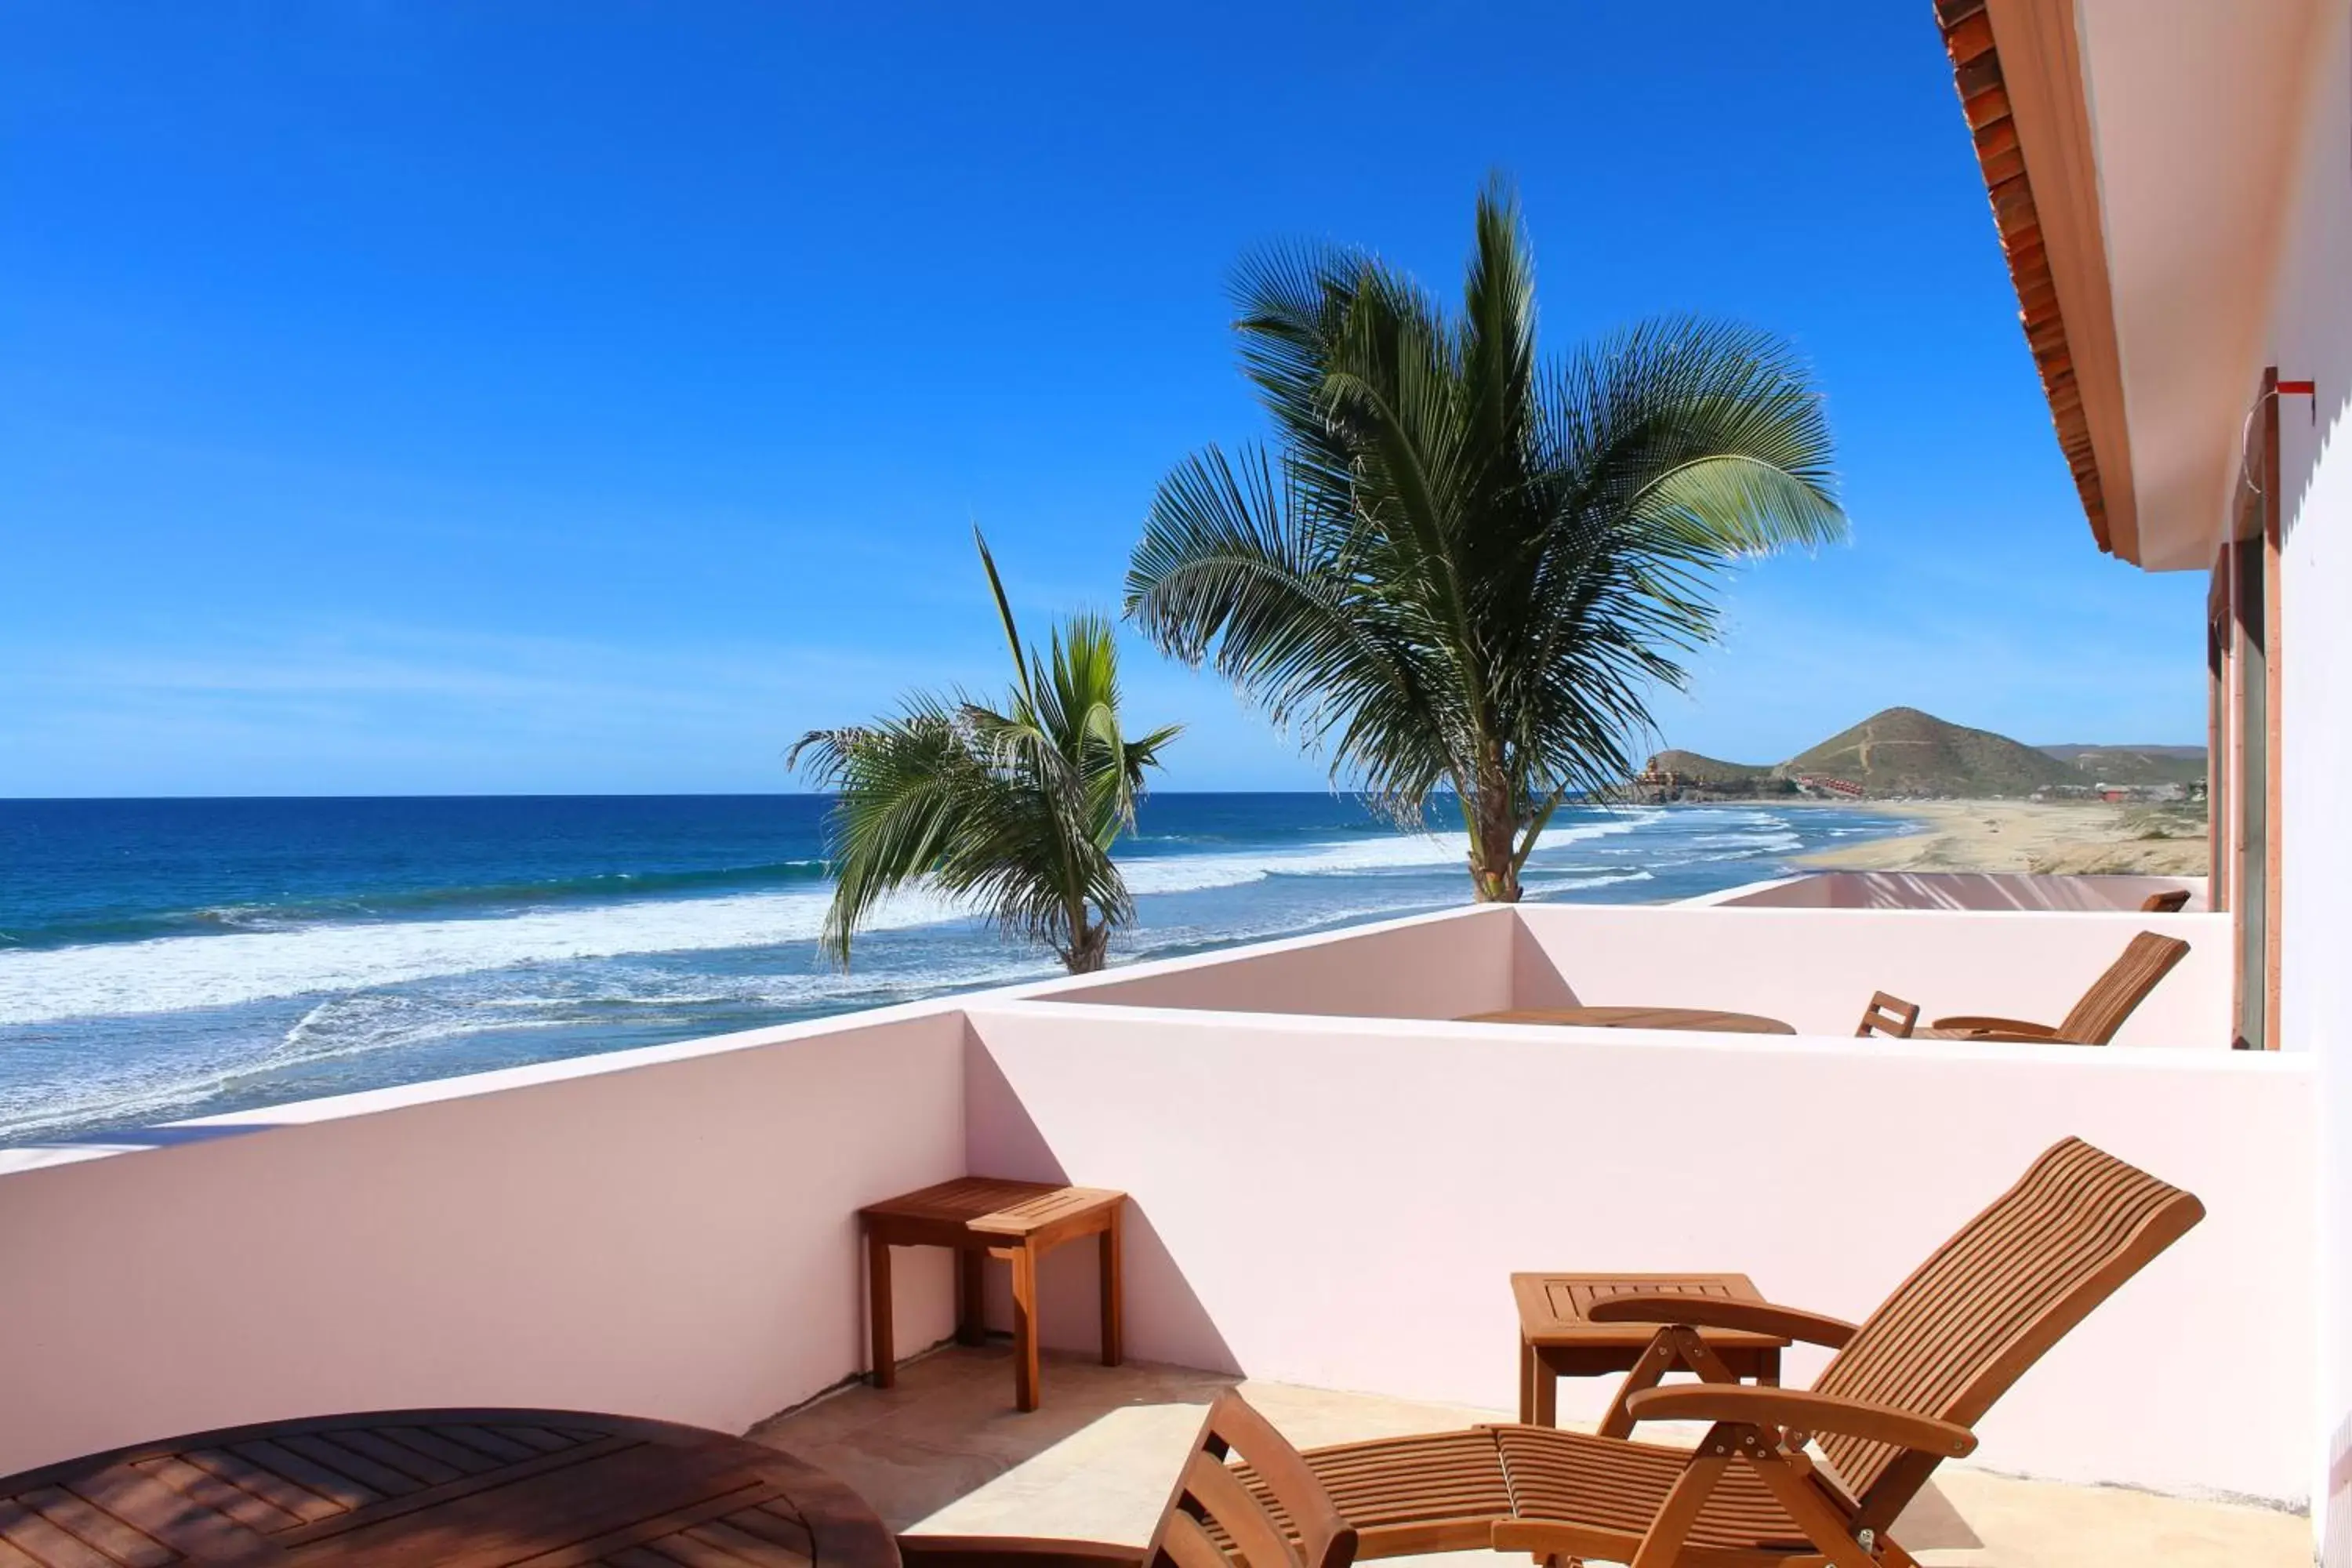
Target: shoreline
[2047,837]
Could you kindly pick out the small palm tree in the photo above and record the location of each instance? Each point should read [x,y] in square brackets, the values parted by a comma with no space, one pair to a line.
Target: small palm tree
[1462,569]
[1014,811]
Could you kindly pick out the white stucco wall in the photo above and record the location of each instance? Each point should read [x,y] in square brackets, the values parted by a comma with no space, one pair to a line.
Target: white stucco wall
[2311,339]
[1338,1201]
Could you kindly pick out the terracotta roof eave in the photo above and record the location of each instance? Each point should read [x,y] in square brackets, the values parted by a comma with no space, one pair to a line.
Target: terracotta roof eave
[1984,100]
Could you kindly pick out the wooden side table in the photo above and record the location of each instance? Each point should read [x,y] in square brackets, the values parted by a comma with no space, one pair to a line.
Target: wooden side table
[982,1217]
[1556,1342]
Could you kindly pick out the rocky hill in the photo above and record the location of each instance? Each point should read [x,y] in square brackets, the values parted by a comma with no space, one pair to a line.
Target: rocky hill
[2133,764]
[1710,773]
[1903,752]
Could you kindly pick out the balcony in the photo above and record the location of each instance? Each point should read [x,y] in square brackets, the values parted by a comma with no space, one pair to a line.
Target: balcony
[1330,1177]
[943,1453]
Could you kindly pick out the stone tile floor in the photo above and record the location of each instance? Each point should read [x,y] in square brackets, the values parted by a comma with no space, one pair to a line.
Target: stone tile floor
[945,1451]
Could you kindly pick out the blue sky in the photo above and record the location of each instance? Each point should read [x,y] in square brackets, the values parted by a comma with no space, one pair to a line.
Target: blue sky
[406,397]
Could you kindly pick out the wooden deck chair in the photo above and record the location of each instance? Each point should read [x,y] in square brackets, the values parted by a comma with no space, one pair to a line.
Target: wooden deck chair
[2147,959]
[1888,1015]
[1899,1398]
[2170,903]
[1284,1519]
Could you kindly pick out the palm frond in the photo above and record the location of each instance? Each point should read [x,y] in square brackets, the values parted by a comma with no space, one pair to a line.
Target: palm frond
[1011,810]
[1464,567]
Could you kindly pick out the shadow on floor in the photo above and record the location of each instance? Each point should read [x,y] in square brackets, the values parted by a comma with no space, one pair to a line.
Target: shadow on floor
[946,1451]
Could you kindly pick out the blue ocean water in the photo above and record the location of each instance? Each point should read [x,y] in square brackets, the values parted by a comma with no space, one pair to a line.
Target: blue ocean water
[170,958]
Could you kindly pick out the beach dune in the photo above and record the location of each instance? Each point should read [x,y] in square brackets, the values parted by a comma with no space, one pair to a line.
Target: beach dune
[2050,837]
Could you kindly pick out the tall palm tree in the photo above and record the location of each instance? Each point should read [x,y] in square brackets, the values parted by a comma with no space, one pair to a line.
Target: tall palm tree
[1012,811]
[1461,568]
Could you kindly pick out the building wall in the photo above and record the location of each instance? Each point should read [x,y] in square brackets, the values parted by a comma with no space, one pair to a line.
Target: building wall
[2311,339]
[1340,1203]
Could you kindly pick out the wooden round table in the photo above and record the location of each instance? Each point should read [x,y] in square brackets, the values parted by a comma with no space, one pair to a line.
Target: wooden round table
[1701,1018]
[457,1488]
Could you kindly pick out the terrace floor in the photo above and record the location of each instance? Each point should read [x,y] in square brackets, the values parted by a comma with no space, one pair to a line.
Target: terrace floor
[946,1451]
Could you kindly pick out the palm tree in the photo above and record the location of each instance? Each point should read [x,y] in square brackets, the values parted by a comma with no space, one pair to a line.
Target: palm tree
[1012,811]
[1462,569]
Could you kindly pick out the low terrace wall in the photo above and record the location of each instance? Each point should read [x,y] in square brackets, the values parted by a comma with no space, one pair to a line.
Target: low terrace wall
[1319,1197]
[1814,969]
[1339,1203]
[669,1232]
[1985,891]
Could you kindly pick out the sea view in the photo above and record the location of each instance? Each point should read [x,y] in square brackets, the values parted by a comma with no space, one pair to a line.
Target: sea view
[172,958]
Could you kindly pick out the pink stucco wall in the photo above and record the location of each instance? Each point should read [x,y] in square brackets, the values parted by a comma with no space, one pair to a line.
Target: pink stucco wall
[1815,969]
[1426,966]
[1338,1201]
[1319,1197]
[669,1234]
[1981,891]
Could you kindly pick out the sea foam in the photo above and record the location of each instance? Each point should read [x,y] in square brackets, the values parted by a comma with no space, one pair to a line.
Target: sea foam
[171,975]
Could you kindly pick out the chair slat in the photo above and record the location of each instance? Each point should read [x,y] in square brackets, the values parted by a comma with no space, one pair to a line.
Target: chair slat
[1889,1015]
[2147,959]
[1991,1300]
[1212,1484]
[1251,1518]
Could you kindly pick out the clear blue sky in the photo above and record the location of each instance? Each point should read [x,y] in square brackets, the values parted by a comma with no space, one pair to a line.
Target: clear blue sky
[402,397]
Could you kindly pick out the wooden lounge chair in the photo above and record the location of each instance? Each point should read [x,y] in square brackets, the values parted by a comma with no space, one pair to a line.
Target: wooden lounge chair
[1282,1519]
[2147,959]
[2170,903]
[1899,1398]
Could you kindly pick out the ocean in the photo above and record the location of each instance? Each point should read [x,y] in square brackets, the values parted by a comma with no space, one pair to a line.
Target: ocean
[163,959]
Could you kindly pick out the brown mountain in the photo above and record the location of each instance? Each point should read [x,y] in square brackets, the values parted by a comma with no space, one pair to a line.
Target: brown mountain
[2133,764]
[1711,772]
[1903,752]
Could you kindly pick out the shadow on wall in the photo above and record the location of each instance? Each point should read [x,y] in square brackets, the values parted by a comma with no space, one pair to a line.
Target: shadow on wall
[1162,1308]
[1536,980]
[1978,891]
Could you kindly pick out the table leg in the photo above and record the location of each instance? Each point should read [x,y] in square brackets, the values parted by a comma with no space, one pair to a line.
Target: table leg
[1024,1327]
[877,1293]
[1547,1393]
[1114,1331]
[1767,1369]
[971,1300]
[1527,1384]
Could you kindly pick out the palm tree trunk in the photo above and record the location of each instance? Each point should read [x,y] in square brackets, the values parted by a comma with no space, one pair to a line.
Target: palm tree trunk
[1493,835]
[1089,944]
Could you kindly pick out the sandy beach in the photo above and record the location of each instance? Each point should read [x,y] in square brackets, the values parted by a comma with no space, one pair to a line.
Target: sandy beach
[2077,838]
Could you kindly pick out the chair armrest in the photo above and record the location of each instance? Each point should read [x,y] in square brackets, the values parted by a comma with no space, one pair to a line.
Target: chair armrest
[1720,1312]
[1014,1552]
[1802,1411]
[1976,1024]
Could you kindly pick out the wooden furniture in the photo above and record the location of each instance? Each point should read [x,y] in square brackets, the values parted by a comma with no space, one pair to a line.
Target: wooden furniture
[980,1217]
[1888,1015]
[1283,1518]
[1899,1398]
[1558,1338]
[2147,959]
[455,1488]
[1700,1018]
[2170,903]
